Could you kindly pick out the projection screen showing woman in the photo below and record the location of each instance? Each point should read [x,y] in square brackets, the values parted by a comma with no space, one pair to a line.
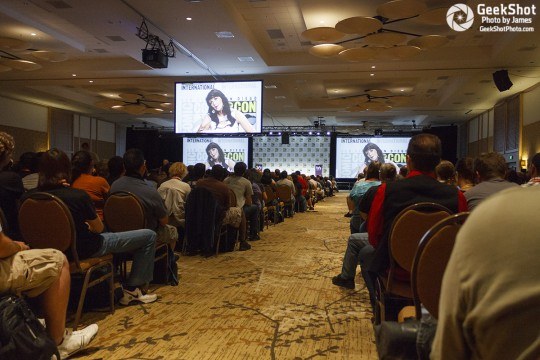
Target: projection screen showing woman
[221,118]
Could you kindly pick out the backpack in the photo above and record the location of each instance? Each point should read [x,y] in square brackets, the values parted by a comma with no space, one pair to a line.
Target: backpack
[21,334]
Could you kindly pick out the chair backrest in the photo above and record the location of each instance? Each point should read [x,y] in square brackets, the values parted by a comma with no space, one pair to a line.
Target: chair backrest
[408,228]
[270,194]
[430,262]
[123,211]
[45,221]
[283,193]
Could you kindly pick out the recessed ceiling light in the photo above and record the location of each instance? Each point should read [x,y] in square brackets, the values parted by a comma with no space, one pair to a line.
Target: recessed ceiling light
[372,74]
[189,19]
[33,34]
[402,90]
[73,74]
[90,81]
[373,66]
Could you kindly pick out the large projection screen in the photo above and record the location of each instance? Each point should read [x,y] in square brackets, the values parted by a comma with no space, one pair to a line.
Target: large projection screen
[353,154]
[211,151]
[225,107]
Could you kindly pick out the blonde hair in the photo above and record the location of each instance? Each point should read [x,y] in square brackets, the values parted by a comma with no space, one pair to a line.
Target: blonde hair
[7,144]
[178,169]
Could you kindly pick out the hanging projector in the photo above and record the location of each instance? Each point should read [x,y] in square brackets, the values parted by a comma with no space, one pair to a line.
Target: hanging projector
[155,58]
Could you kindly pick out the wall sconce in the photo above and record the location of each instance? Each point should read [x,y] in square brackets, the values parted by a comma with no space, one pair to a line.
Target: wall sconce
[523,163]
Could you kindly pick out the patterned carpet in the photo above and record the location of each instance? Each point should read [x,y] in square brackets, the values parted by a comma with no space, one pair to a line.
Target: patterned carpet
[273,302]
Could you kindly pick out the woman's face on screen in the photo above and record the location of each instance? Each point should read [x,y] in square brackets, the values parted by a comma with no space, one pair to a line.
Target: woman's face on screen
[216,103]
[214,153]
[372,155]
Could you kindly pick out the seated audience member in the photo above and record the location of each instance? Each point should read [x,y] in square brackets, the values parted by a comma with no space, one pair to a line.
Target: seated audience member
[301,202]
[244,198]
[423,155]
[27,168]
[465,173]
[446,173]
[44,274]
[403,172]
[197,172]
[267,180]
[116,169]
[283,180]
[490,296]
[359,189]
[155,212]
[233,216]
[86,147]
[11,186]
[355,244]
[259,196]
[54,172]
[490,169]
[534,171]
[82,178]
[174,193]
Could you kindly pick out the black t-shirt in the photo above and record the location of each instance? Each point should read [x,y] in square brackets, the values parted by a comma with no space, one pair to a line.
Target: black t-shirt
[82,209]
[11,189]
[367,199]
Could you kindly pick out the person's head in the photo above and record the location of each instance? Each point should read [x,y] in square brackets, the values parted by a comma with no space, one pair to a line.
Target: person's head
[218,172]
[446,172]
[404,171]
[215,154]
[387,173]
[373,153]
[240,168]
[424,152]
[178,169]
[116,167]
[81,163]
[54,169]
[29,161]
[85,146]
[373,170]
[534,166]
[7,146]
[489,166]
[218,103]
[134,162]
[198,171]
[465,170]
[253,175]
[283,174]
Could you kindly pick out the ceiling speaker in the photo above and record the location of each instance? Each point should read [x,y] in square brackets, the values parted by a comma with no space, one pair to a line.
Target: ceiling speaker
[155,58]
[285,138]
[502,81]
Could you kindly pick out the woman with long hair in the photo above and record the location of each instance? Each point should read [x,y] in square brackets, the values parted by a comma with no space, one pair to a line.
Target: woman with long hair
[217,157]
[81,178]
[221,118]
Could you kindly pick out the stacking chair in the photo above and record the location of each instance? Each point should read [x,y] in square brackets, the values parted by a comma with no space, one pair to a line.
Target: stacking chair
[406,231]
[123,211]
[46,222]
[284,195]
[430,262]
[272,204]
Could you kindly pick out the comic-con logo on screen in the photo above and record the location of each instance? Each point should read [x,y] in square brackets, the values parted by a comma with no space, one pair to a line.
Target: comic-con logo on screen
[460,17]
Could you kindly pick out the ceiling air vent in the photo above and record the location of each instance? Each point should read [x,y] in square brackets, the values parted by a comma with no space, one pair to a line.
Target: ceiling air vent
[275,34]
[245,59]
[224,34]
[115,38]
[58,4]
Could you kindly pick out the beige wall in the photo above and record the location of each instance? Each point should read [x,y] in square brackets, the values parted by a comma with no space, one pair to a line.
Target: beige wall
[26,140]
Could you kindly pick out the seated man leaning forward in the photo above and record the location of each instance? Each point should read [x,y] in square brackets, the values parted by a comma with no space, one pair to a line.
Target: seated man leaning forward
[54,170]
[43,274]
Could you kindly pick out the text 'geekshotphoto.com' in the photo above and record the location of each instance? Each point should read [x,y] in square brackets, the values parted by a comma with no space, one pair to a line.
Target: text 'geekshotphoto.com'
[226,107]
[353,154]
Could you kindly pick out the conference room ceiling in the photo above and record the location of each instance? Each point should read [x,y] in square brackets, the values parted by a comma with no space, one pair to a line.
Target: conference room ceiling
[98,40]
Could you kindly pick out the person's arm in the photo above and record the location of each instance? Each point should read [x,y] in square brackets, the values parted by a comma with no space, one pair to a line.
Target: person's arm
[248,193]
[243,121]
[205,124]
[95,225]
[9,247]
[163,221]
[230,164]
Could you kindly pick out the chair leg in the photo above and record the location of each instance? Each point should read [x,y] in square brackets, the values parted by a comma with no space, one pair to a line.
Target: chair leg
[111,289]
[82,296]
